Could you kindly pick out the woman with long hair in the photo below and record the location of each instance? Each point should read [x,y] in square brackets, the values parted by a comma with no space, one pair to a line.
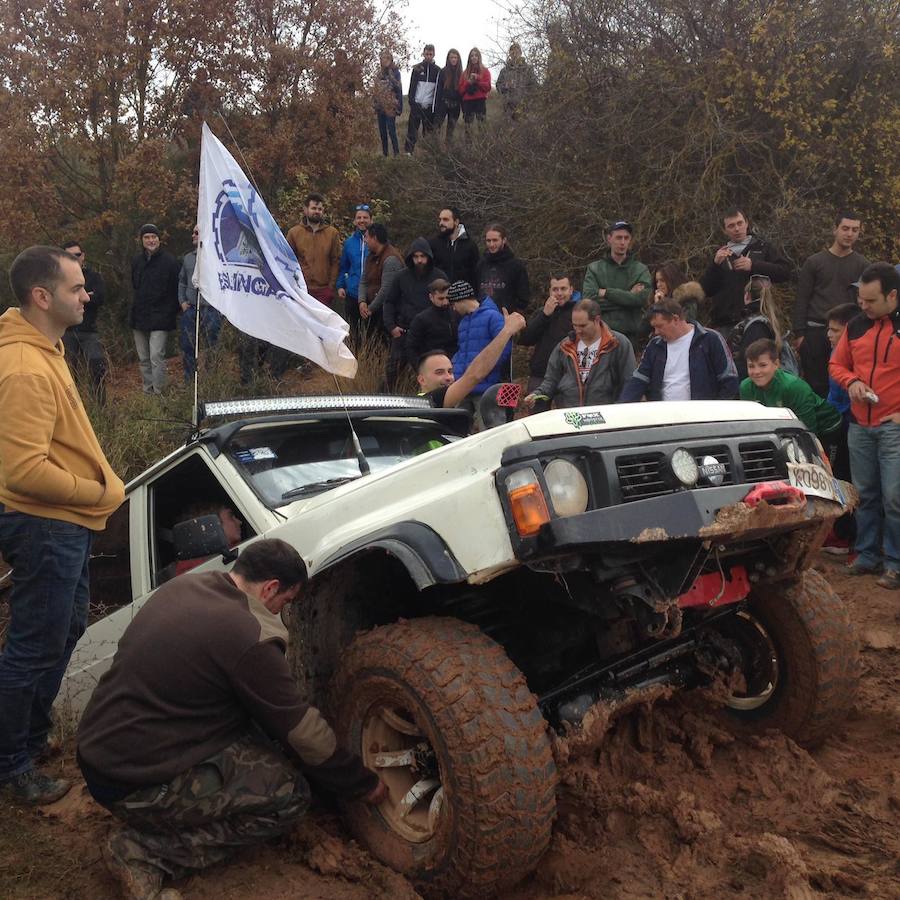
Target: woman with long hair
[388,101]
[448,92]
[761,319]
[667,277]
[474,86]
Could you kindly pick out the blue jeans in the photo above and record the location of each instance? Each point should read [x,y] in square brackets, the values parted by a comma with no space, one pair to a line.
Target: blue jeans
[210,326]
[387,127]
[875,463]
[48,614]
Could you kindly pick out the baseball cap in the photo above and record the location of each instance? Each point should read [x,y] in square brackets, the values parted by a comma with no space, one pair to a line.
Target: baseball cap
[621,223]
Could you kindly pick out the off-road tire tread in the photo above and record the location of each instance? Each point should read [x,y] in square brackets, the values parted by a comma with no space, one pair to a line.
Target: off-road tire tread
[819,650]
[503,782]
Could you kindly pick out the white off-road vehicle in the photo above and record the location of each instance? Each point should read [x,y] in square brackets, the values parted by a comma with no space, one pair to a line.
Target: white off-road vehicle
[471,597]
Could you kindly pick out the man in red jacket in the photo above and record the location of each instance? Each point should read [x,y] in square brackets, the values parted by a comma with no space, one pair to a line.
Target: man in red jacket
[866,362]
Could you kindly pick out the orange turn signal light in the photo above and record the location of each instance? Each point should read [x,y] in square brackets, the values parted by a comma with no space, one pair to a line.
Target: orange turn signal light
[529,509]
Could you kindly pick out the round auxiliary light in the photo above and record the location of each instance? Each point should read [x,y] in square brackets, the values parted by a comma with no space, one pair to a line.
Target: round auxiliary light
[568,489]
[684,467]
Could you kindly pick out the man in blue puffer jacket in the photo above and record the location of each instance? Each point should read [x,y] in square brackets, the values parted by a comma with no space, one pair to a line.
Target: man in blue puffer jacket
[480,323]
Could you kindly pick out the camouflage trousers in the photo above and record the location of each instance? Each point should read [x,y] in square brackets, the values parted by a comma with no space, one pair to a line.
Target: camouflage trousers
[245,794]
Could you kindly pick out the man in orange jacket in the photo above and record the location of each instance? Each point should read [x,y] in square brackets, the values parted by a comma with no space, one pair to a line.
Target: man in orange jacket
[56,489]
[866,362]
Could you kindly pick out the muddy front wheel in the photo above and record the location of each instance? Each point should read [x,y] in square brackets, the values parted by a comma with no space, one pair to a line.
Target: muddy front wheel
[439,711]
[800,659]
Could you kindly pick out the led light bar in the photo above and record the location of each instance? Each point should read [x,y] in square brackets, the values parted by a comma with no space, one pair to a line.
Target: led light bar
[311,403]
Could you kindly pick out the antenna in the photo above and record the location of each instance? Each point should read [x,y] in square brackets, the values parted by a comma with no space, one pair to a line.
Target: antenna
[364,467]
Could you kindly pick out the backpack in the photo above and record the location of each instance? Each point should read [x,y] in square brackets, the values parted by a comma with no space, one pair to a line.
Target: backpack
[787,356]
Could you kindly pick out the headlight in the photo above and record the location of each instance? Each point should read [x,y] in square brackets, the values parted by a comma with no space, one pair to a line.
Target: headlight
[568,489]
[684,467]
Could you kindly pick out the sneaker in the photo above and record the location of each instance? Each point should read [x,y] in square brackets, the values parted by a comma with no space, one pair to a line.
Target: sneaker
[33,788]
[858,568]
[138,880]
[890,580]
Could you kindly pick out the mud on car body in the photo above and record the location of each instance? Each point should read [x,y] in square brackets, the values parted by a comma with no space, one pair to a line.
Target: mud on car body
[469,599]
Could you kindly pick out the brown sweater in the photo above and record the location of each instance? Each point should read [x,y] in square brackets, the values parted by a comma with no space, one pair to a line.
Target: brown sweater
[51,464]
[318,252]
[198,663]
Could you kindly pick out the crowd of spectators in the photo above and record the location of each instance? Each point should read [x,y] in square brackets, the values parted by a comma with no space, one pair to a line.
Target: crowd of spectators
[629,334]
[437,96]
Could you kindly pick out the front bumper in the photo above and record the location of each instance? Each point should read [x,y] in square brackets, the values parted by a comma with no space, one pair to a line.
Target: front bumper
[713,514]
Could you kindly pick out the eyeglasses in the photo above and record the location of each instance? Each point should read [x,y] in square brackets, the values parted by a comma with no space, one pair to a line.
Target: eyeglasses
[363,207]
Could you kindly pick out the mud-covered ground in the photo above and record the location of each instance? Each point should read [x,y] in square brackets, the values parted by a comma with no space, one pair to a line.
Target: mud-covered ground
[673,806]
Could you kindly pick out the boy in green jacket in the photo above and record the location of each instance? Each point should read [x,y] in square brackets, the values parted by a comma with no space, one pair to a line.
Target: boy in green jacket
[770,385]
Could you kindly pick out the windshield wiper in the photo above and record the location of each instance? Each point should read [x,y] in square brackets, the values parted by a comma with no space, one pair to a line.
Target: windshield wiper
[317,486]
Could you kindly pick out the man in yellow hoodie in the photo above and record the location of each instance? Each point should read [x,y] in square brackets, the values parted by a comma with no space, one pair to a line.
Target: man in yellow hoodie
[56,489]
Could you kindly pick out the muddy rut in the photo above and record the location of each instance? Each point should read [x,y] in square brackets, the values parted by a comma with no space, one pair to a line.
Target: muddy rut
[673,804]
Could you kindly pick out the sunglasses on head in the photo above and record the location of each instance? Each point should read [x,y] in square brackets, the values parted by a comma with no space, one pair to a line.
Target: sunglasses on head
[363,207]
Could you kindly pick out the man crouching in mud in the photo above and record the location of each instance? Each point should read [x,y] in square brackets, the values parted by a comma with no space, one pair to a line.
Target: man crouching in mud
[195,736]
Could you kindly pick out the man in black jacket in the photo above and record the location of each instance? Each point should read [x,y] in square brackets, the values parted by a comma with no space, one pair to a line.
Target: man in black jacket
[454,251]
[743,255]
[406,297]
[434,328]
[422,97]
[154,277]
[82,341]
[548,326]
[501,276]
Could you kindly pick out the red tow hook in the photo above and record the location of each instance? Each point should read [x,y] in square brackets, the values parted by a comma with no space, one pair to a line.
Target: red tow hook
[779,494]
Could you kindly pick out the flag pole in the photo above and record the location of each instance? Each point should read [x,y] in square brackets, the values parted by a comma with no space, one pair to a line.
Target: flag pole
[196,415]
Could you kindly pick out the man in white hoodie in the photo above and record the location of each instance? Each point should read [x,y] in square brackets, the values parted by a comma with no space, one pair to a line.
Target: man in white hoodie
[422,95]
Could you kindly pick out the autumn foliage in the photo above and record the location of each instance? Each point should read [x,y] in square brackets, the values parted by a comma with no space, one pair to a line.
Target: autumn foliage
[659,111]
[664,113]
[101,105]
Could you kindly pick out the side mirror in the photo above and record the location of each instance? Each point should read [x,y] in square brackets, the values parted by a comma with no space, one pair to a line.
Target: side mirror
[201,537]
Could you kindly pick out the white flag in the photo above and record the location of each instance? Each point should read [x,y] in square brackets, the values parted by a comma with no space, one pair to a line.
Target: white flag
[247,270]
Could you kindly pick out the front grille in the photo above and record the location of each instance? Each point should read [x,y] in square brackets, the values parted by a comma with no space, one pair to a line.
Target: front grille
[641,476]
[759,461]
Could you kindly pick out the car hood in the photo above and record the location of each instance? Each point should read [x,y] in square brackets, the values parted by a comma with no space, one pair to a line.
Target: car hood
[643,415]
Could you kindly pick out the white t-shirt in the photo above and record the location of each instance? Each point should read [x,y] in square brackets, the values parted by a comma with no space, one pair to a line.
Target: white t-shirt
[677,376]
[586,356]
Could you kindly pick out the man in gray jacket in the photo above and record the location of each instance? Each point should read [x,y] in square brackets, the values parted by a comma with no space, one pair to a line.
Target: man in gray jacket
[588,367]
[190,300]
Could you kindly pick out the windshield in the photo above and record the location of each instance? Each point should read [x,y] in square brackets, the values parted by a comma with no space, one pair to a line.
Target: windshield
[287,462]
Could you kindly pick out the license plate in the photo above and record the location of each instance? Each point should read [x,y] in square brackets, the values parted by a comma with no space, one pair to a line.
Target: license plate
[814,481]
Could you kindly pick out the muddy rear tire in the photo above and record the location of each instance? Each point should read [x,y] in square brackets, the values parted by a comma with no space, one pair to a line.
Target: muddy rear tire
[813,668]
[441,691]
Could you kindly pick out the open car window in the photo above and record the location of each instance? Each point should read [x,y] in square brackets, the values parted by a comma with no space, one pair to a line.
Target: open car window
[189,489]
[286,462]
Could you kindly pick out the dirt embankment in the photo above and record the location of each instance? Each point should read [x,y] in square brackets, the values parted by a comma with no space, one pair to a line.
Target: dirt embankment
[674,805]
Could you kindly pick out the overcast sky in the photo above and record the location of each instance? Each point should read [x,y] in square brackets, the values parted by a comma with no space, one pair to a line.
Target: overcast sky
[462,24]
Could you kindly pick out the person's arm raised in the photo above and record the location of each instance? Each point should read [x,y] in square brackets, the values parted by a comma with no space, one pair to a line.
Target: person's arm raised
[481,366]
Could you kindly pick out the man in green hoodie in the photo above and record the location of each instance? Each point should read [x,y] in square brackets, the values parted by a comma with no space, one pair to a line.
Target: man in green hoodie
[620,283]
